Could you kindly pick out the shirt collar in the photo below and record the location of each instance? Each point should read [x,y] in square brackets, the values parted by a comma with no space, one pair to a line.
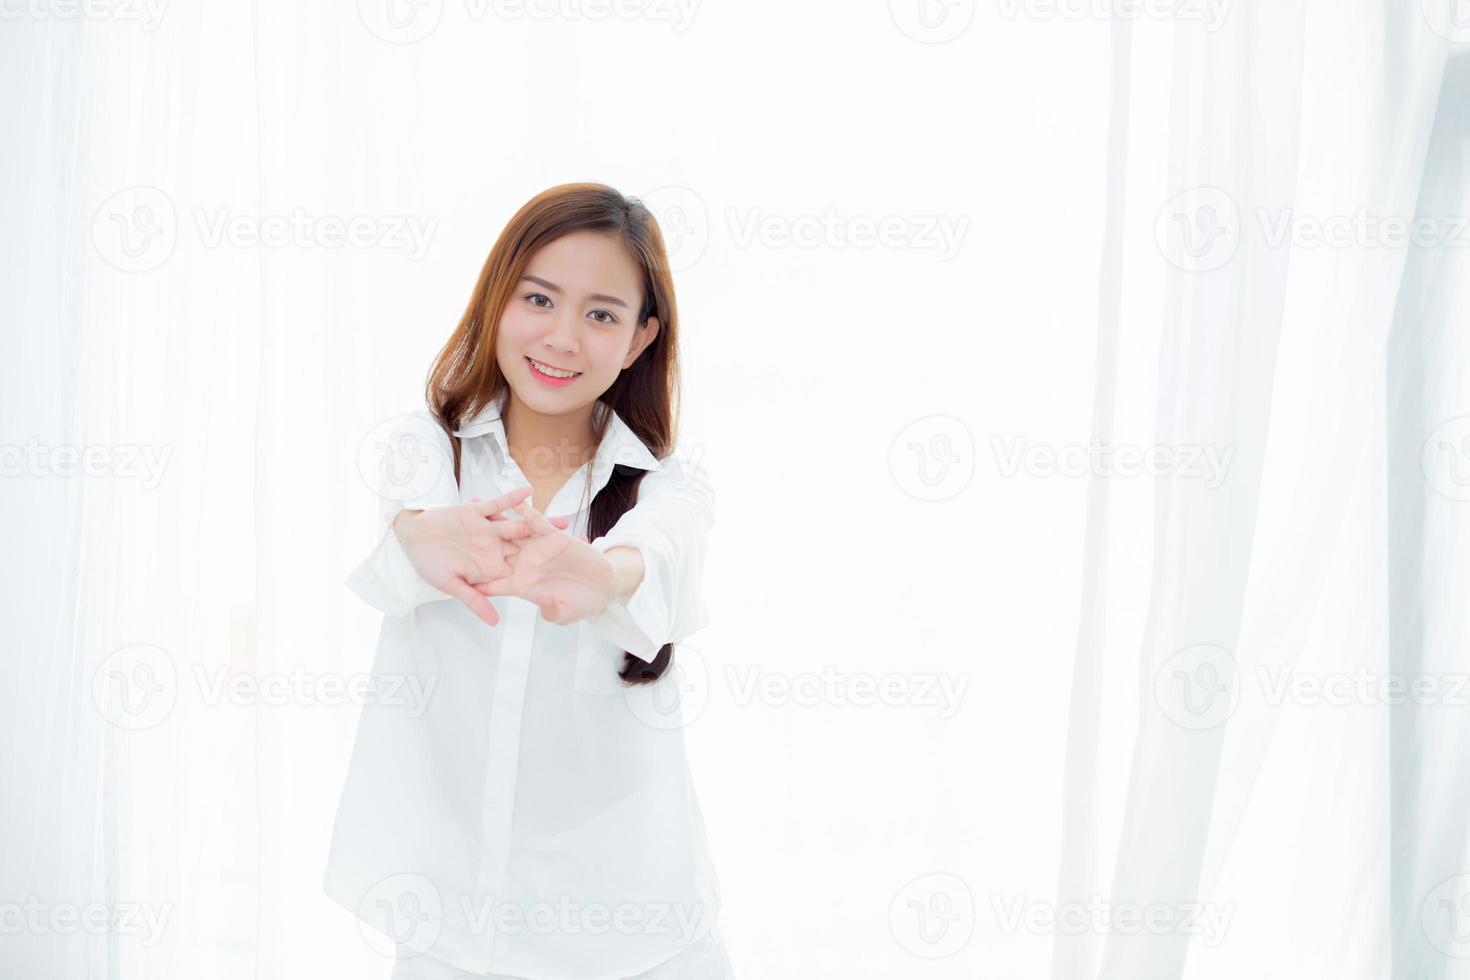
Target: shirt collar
[620,444]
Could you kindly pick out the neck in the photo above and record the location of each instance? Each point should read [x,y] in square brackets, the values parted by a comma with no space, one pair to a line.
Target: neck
[547,445]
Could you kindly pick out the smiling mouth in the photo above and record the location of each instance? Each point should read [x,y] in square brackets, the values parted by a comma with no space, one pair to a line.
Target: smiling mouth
[551,371]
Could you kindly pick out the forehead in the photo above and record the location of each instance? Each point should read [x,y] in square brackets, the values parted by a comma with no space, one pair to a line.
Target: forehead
[588,262]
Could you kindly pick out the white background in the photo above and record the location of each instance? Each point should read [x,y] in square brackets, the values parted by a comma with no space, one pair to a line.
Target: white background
[857,403]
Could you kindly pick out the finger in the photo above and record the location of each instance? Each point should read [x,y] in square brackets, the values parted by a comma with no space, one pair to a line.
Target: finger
[557,523]
[548,604]
[495,541]
[510,530]
[486,538]
[494,581]
[496,586]
[536,519]
[477,603]
[563,521]
[488,507]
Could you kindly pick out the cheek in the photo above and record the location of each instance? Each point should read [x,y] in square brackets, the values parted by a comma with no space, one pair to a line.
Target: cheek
[517,329]
[517,334]
[607,351]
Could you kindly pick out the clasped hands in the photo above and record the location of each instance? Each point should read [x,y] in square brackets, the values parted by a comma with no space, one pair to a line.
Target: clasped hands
[472,551]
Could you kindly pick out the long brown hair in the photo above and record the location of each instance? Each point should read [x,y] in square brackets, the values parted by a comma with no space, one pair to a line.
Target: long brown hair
[466,377]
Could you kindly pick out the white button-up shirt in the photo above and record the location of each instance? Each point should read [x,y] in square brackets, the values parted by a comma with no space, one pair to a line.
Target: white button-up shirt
[517,808]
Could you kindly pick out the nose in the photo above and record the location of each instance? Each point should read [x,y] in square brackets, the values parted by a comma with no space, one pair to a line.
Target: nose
[563,335]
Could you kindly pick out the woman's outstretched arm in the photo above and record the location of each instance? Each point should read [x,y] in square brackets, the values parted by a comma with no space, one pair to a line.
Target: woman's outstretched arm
[659,595]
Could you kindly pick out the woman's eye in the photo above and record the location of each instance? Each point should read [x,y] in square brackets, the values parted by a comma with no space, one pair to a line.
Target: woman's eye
[610,317]
[535,296]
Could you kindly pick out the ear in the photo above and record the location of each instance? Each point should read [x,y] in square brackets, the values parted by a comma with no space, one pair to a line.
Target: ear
[642,337]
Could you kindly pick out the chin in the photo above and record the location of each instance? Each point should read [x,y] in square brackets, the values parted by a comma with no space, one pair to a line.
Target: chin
[549,401]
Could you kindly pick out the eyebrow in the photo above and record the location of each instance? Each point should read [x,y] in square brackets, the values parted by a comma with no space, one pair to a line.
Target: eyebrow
[602,297]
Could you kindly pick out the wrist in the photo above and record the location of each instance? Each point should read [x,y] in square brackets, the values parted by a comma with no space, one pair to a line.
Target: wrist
[403,523]
[627,574]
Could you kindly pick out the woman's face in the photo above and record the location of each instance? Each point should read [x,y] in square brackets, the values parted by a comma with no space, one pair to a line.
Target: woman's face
[575,309]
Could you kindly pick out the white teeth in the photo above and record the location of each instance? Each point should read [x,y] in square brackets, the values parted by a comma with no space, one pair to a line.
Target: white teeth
[551,371]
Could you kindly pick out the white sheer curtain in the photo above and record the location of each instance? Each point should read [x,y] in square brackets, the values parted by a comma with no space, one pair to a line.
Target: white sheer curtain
[190,253]
[235,235]
[1283,808]
[129,387]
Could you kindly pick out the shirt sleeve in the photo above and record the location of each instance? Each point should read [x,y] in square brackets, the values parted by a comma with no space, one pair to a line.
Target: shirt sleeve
[415,471]
[669,525]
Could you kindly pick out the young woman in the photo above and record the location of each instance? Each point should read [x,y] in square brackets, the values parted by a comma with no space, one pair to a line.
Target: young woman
[522,807]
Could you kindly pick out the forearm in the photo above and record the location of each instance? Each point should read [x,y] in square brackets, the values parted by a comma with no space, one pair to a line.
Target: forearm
[668,530]
[627,563]
[387,578]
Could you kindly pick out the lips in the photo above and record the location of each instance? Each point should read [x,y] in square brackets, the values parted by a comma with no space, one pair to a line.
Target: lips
[554,367]
[550,379]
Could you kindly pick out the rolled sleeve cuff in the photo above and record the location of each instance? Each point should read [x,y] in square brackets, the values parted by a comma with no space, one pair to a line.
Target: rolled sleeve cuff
[387,580]
[636,622]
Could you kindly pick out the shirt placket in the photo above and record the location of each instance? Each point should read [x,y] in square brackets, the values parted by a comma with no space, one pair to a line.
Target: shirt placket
[503,751]
[507,708]
[503,758]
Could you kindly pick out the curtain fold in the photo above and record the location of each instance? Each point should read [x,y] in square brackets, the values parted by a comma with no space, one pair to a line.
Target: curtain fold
[1273,344]
[1428,503]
